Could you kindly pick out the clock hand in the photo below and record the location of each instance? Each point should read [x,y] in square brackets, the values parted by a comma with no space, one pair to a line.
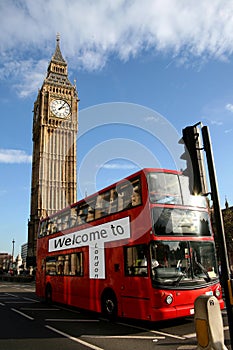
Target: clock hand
[61,106]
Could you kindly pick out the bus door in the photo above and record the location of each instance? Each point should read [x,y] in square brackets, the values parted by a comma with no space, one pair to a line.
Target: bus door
[135,294]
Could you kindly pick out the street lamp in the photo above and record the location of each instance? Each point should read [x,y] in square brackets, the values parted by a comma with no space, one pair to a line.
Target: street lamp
[13,248]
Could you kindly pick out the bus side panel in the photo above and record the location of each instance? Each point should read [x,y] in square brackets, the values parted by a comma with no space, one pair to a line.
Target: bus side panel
[82,293]
[136,304]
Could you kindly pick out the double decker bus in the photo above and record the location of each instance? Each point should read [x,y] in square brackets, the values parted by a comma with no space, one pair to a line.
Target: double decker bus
[141,248]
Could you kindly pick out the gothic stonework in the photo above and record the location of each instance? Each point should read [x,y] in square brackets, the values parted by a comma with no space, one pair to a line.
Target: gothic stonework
[55,126]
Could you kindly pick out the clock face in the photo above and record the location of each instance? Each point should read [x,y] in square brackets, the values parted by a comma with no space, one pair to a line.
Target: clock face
[60,108]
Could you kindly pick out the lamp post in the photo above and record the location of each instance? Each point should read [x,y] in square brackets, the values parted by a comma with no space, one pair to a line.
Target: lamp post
[13,248]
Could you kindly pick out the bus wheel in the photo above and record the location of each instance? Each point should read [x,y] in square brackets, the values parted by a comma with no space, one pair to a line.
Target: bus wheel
[109,305]
[48,294]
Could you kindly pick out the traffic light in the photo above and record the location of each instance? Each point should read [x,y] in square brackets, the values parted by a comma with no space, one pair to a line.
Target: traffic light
[195,169]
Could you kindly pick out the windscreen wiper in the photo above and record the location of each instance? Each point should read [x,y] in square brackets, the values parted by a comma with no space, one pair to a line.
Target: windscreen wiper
[201,266]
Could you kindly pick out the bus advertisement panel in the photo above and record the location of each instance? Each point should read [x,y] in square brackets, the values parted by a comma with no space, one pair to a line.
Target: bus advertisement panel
[142,248]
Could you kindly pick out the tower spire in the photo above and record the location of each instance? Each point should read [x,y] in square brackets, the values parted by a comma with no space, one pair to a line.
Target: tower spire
[57,72]
[57,54]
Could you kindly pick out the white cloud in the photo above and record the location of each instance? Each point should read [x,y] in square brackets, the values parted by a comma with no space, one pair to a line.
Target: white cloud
[26,75]
[216,122]
[13,156]
[229,107]
[93,31]
[31,78]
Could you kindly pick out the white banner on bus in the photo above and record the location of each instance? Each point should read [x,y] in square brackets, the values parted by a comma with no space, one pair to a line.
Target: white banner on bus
[96,261]
[94,237]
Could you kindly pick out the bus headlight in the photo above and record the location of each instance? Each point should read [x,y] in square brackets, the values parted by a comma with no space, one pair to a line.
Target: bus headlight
[217,292]
[169,299]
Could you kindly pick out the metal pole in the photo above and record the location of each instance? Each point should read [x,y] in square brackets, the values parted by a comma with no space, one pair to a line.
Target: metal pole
[13,248]
[220,235]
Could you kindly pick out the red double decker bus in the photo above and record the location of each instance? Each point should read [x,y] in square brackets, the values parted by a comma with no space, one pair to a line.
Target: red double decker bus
[141,248]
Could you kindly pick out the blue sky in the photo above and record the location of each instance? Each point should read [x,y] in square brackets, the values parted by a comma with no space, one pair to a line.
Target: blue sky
[167,62]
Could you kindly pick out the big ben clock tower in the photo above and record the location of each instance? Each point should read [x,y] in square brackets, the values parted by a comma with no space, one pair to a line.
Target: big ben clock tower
[55,126]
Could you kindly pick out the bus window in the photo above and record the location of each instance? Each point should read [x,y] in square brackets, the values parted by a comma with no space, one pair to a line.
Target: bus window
[136,196]
[66,264]
[60,265]
[129,194]
[105,203]
[91,209]
[69,264]
[136,260]
[59,223]
[65,221]
[90,213]
[164,188]
[99,206]
[183,263]
[124,195]
[82,214]
[77,264]
[50,266]
[173,221]
[53,226]
[43,228]
[203,259]
[113,201]
[72,219]
[188,198]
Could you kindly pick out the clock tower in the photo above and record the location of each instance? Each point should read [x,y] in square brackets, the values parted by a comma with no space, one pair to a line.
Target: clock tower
[55,126]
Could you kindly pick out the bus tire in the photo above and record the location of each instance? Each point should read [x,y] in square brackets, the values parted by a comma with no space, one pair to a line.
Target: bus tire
[109,305]
[48,294]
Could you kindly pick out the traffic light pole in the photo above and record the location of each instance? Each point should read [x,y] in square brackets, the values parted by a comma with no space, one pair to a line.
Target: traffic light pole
[220,235]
